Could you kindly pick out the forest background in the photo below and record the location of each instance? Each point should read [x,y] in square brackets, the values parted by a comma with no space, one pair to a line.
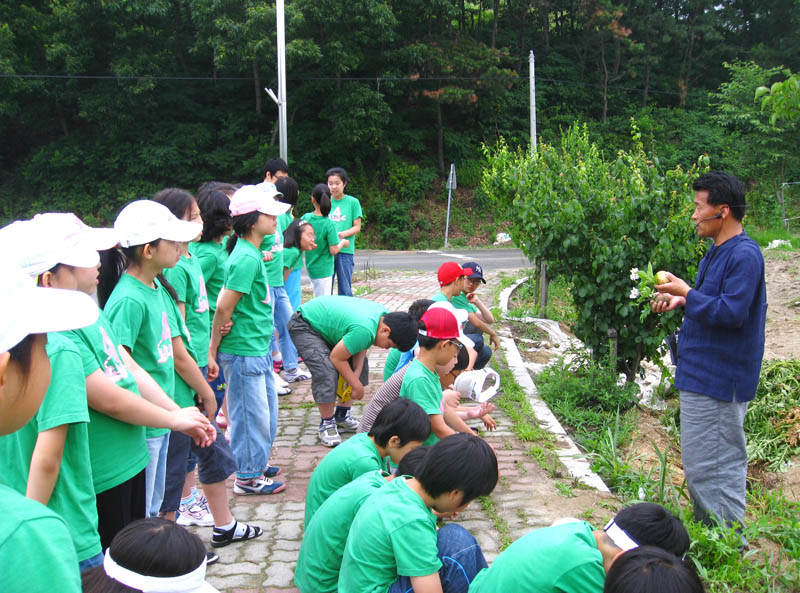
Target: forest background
[104,101]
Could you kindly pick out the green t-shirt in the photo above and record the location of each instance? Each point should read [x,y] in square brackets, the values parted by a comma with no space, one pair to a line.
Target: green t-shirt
[117,449]
[187,280]
[352,320]
[391,363]
[212,257]
[354,457]
[323,542]
[36,551]
[549,560]
[138,314]
[319,261]
[292,258]
[459,301]
[64,403]
[252,317]
[393,535]
[343,213]
[274,244]
[421,385]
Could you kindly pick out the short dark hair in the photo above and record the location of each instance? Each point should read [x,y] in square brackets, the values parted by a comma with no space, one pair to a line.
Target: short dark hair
[274,165]
[650,524]
[291,236]
[418,308]
[402,418]
[215,210]
[427,342]
[462,462]
[339,172]
[462,361]
[153,547]
[648,569]
[289,191]
[723,188]
[411,462]
[402,330]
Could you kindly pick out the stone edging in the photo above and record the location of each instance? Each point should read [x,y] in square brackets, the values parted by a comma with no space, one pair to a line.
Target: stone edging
[568,453]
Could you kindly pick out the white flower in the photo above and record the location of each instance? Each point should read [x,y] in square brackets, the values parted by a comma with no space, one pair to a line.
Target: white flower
[634,293]
[634,274]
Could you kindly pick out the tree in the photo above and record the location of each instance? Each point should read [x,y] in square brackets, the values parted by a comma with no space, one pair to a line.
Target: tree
[782,99]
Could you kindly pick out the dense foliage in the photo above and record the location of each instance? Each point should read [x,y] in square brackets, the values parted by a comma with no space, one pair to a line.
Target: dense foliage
[593,217]
[104,101]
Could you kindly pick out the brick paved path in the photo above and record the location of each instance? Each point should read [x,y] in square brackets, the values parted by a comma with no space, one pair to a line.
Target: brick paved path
[525,497]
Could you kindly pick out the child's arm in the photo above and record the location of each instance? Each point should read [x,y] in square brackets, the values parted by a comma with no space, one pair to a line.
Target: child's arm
[440,428]
[148,387]
[188,370]
[334,249]
[483,312]
[46,463]
[226,303]
[427,584]
[483,328]
[353,230]
[340,358]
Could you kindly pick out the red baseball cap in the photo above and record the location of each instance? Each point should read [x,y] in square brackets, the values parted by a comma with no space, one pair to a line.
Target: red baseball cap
[441,323]
[451,271]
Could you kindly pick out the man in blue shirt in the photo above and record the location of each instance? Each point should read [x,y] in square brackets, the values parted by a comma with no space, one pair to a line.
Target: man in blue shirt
[720,348]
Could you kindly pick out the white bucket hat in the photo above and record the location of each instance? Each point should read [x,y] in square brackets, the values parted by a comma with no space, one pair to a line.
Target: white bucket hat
[473,384]
[28,309]
[144,221]
[38,244]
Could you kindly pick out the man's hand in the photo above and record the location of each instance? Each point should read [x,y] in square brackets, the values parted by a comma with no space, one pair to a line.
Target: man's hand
[666,302]
[675,286]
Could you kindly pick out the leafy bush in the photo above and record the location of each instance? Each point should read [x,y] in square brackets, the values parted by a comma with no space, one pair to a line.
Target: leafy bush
[594,218]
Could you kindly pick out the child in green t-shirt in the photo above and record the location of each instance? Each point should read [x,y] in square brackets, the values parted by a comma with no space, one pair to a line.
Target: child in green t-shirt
[244,353]
[393,544]
[151,239]
[653,570]
[400,427]
[36,550]
[572,556]
[346,216]
[319,261]
[298,238]
[323,543]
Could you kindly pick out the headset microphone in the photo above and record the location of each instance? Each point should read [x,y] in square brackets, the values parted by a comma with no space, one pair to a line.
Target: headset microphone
[717,215]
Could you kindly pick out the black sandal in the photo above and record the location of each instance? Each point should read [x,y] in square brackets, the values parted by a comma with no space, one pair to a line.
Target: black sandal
[222,538]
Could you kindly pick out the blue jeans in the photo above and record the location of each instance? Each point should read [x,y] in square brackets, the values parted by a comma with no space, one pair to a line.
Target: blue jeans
[155,473]
[484,352]
[218,385]
[282,311]
[343,271]
[91,562]
[252,409]
[292,286]
[461,558]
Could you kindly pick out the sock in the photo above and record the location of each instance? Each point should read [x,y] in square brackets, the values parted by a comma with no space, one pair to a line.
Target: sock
[341,412]
[227,527]
[277,357]
[189,500]
[325,421]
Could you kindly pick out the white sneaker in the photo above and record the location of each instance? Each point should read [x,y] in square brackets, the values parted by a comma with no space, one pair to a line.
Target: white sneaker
[329,435]
[279,382]
[194,515]
[347,424]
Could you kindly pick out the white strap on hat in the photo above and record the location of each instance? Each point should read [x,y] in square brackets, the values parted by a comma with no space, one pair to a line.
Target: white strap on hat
[192,582]
[620,538]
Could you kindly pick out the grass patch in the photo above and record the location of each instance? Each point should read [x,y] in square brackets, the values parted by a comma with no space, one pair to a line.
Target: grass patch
[766,236]
[499,523]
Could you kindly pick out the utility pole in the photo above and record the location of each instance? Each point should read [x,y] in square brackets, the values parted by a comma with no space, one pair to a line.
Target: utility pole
[280,100]
[451,185]
[532,61]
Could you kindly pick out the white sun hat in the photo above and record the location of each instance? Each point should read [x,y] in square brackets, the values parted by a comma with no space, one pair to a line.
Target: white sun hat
[479,385]
[253,198]
[28,309]
[144,221]
[37,245]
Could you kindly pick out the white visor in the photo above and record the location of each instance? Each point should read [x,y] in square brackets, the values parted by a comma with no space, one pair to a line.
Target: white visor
[27,309]
[192,582]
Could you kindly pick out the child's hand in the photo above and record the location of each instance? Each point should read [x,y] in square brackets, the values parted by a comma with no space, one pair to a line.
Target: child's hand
[267,255]
[225,328]
[451,397]
[345,243]
[472,297]
[489,422]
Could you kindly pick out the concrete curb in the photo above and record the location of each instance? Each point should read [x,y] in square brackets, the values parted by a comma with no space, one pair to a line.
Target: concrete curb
[568,453]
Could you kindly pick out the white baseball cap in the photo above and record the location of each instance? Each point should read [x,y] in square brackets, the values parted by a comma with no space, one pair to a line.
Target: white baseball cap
[38,244]
[253,198]
[144,221]
[28,309]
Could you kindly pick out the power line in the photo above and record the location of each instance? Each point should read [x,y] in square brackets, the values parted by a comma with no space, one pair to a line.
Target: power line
[376,79]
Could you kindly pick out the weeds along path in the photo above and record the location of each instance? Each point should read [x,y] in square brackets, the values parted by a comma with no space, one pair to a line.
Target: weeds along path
[532,492]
